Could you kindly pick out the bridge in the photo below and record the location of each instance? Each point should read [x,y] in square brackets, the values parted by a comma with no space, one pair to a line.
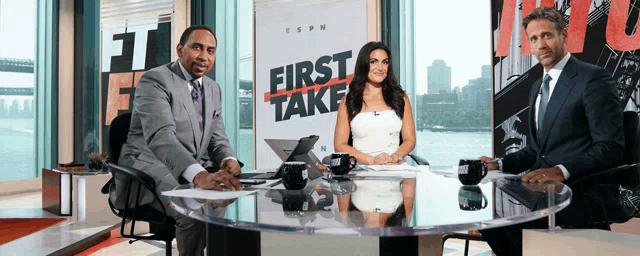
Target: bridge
[16,91]
[16,65]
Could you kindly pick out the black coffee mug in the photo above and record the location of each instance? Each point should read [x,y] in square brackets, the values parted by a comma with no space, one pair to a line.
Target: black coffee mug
[471,198]
[294,175]
[341,163]
[471,171]
[295,201]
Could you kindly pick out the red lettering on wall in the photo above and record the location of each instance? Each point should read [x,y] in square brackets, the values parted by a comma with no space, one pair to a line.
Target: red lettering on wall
[115,100]
[527,7]
[616,34]
[578,25]
[506,25]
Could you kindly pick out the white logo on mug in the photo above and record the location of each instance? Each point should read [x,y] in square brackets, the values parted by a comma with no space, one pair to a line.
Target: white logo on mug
[305,174]
[335,162]
[463,169]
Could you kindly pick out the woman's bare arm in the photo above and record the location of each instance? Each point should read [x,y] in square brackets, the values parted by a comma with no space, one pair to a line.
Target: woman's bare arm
[408,131]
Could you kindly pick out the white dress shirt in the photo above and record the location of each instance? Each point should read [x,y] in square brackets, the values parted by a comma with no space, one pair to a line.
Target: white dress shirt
[192,170]
[554,73]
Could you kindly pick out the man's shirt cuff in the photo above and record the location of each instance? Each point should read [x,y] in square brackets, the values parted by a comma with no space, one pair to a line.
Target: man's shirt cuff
[565,172]
[230,157]
[192,171]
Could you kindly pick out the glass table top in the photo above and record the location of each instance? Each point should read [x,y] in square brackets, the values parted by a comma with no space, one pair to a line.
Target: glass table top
[382,203]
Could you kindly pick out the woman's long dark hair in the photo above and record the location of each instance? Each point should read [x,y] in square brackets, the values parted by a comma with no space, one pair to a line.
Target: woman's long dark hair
[391,91]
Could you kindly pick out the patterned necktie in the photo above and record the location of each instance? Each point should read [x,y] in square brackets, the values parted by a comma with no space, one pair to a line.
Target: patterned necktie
[544,99]
[196,96]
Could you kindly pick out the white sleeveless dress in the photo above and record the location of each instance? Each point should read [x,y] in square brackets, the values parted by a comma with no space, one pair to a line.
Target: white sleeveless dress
[376,132]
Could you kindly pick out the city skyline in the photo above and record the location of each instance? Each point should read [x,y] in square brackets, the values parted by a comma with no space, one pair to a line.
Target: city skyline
[464,45]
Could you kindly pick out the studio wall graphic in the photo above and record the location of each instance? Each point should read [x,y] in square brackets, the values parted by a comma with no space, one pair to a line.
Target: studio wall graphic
[126,54]
[305,56]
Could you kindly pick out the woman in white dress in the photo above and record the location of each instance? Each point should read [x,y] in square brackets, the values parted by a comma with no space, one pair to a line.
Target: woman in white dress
[375,112]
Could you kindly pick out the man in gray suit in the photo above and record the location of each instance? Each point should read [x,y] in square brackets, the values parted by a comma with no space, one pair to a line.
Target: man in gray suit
[175,128]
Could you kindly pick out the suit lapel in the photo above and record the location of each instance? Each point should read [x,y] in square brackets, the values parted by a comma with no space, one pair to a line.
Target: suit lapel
[532,111]
[558,98]
[185,96]
[207,115]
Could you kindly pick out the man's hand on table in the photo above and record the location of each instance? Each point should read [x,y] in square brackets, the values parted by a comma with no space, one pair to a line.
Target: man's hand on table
[231,166]
[205,180]
[544,175]
[492,164]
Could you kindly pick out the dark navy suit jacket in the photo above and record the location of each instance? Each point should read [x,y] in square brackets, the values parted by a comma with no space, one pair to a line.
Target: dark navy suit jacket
[582,126]
[582,130]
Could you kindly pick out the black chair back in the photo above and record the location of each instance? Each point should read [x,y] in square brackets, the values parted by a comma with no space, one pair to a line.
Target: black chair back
[161,226]
[631,177]
[118,131]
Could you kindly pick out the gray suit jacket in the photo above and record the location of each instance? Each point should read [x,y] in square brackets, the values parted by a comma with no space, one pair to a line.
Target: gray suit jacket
[164,138]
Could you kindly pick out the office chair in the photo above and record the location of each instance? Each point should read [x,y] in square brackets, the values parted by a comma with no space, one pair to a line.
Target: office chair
[625,177]
[161,226]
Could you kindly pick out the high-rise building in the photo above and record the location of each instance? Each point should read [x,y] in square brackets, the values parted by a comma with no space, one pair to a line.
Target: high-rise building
[477,94]
[486,71]
[3,109]
[438,77]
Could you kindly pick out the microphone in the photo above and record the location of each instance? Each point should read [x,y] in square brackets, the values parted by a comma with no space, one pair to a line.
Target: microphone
[375,114]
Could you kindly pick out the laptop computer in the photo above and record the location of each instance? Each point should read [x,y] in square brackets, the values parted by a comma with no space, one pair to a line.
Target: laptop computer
[301,152]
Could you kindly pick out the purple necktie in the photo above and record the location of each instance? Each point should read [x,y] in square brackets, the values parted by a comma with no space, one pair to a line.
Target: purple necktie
[196,96]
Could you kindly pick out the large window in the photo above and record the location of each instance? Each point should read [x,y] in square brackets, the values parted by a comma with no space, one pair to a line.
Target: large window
[452,78]
[25,89]
[234,73]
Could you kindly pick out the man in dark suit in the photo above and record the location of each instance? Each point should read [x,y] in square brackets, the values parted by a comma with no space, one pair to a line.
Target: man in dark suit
[175,127]
[575,120]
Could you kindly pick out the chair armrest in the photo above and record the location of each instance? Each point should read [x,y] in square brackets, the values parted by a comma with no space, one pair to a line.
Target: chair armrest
[604,172]
[418,160]
[105,188]
[143,178]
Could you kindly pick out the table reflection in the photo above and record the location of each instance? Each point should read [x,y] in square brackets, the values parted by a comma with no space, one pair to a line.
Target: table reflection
[471,198]
[375,203]
[372,204]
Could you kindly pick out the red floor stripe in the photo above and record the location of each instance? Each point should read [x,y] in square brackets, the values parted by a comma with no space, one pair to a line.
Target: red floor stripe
[115,239]
[14,228]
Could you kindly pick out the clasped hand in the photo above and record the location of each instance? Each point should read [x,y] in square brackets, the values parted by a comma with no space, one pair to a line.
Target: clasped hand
[385,158]
[228,169]
[205,180]
[231,166]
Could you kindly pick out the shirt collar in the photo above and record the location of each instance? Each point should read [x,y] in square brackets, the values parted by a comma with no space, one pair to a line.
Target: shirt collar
[186,74]
[555,71]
